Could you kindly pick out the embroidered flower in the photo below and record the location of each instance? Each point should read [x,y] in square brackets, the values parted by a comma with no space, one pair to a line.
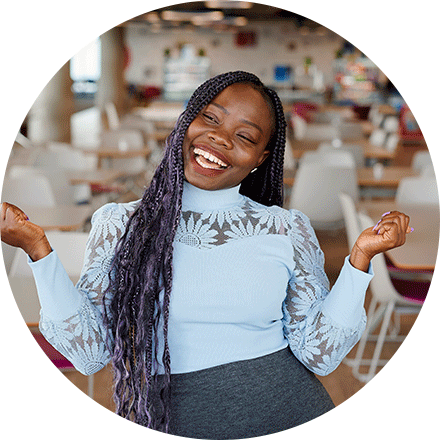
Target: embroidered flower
[195,232]
[96,277]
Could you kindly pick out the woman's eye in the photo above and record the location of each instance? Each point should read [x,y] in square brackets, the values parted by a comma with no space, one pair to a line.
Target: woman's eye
[209,117]
[246,138]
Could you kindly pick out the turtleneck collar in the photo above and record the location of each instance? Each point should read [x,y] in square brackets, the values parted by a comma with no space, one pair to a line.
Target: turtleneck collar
[196,199]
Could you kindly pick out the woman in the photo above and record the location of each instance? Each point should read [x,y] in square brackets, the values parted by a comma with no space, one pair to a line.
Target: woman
[209,299]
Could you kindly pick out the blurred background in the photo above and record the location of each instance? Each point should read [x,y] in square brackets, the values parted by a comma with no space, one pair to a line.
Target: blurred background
[97,130]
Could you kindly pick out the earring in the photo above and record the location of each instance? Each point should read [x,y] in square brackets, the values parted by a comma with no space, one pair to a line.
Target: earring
[255,169]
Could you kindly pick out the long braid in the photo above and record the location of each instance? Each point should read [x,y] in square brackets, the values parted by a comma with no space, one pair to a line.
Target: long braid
[138,297]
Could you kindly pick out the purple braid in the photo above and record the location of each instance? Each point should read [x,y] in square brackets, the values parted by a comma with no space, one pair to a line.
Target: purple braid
[138,297]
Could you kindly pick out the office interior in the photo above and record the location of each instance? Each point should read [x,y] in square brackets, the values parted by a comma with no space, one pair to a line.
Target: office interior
[97,131]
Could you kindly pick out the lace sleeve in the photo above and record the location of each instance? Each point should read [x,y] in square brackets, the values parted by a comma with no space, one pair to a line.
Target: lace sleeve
[316,338]
[81,337]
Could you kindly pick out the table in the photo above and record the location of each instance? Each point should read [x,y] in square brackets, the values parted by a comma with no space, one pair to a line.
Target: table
[159,113]
[420,249]
[62,218]
[390,178]
[94,177]
[115,153]
[299,147]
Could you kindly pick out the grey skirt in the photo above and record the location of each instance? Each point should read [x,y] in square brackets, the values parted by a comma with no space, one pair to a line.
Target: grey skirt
[246,399]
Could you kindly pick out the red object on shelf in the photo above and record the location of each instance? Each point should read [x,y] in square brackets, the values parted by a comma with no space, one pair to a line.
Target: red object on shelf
[246,39]
[409,129]
[305,110]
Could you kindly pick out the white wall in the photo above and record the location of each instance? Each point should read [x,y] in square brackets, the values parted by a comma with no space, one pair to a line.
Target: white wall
[147,51]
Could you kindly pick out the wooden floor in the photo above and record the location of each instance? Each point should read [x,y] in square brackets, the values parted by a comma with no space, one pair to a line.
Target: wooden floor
[340,384]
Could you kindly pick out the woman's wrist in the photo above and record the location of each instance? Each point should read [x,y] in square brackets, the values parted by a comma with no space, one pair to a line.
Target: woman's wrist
[359,259]
[39,250]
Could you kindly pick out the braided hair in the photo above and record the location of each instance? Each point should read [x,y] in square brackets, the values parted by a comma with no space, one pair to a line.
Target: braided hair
[136,303]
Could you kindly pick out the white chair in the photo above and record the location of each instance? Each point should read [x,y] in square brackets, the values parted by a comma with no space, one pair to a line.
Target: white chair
[378,137]
[8,253]
[61,156]
[130,122]
[299,126]
[328,117]
[24,141]
[428,171]
[125,139]
[136,122]
[316,189]
[356,150]
[112,116]
[313,131]
[63,191]
[23,156]
[418,191]
[391,124]
[385,301]
[350,130]
[351,220]
[70,247]
[375,116]
[334,157]
[31,190]
[420,160]
[391,142]
[289,159]
[71,158]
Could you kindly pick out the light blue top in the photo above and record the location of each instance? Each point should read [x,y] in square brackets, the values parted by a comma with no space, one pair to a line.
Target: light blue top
[248,280]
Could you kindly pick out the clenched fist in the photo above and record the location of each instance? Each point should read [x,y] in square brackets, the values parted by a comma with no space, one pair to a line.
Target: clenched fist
[389,232]
[18,231]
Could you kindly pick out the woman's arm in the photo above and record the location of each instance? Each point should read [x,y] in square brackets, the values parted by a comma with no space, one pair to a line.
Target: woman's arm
[322,326]
[71,316]
[389,232]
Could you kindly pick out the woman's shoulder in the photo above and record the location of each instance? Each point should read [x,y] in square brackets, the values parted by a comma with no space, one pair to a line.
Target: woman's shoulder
[115,212]
[291,218]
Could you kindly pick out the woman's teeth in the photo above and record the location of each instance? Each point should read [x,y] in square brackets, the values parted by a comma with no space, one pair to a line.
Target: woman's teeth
[207,160]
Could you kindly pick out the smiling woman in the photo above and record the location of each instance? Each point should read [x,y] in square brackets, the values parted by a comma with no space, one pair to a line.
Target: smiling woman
[215,310]
[228,138]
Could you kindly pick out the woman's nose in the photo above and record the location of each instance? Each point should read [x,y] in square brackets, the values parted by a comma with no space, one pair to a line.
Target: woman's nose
[220,138]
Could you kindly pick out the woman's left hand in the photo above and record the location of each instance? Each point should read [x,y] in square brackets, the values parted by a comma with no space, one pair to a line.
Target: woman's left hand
[389,232]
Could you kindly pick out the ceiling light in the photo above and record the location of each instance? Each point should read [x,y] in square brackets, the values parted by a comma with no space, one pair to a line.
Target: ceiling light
[191,16]
[240,21]
[152,17]
[222,4]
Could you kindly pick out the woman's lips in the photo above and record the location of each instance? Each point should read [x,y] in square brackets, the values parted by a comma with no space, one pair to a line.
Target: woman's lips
[210,158]
[208,162]
[207,149]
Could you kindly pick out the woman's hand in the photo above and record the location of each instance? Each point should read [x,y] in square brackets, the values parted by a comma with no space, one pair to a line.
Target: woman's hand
[389,232]
[18,231]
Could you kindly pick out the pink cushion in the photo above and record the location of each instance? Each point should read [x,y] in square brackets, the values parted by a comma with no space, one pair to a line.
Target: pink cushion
[57,358]
[414,291]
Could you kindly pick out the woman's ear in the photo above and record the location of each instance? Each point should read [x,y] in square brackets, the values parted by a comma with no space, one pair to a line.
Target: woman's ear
[263,157]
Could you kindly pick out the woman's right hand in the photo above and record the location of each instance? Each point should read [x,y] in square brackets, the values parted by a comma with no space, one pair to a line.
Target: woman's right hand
[18,231]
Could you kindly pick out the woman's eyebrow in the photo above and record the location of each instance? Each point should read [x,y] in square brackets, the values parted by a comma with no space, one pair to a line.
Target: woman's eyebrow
[220,107]
[241,120]
[253,124]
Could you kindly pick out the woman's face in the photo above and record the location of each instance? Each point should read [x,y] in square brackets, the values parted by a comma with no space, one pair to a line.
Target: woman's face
[227,139]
